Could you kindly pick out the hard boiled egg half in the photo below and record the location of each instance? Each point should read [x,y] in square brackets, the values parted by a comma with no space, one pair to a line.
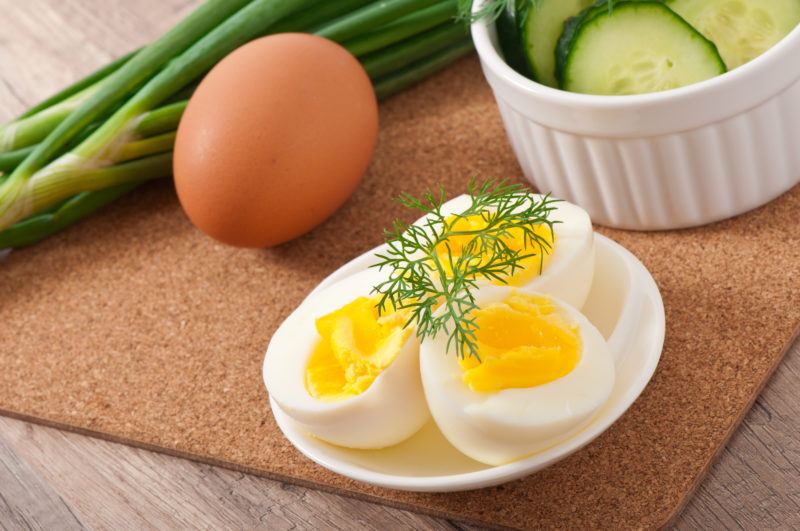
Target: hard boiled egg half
[350,376]
[565,269]
[544,371]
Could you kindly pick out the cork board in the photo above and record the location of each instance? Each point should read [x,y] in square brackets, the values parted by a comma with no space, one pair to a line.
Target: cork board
[134,327]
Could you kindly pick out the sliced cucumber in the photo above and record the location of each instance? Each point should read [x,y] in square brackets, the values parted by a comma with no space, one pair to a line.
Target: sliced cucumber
[542,24]
[508,33]
[570,28]
[741,29]
[640,47]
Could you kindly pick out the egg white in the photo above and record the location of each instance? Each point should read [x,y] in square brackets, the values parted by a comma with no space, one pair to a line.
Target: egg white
[499,427]
[389,411]
[569,272]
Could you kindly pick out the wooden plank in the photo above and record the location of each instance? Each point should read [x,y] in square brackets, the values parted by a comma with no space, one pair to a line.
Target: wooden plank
[45,45]
[28,502]
[114,486]
[48,44]
[755,483]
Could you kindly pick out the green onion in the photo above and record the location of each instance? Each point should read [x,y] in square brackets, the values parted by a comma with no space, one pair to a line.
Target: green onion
[404,27]
[369,17]
[66,177]
[12,159]
[35,125]
[86,82]
[418,71]
[131,75]
[33,129]
[308,19]
[81,148]
[407,52]
[148,146]
[39,227]
[165,119]
[161,120]
[240,28]
[226,33]
[130,175]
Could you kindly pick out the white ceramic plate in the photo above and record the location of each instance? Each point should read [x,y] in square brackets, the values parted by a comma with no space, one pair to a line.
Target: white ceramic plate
[626,307]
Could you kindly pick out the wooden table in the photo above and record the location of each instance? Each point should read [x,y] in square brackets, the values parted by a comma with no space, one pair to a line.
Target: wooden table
[51,479]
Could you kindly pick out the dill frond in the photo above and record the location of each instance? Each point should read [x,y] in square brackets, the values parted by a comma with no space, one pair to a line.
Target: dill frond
[438,285]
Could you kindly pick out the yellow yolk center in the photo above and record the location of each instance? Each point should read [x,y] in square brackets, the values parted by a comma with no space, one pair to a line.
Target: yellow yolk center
[522,342]
[356,345]
[529,267]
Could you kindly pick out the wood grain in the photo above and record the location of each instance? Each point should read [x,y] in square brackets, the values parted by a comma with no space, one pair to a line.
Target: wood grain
[45,45]
[754,484]
[114,486]
[53,479]
[26,500]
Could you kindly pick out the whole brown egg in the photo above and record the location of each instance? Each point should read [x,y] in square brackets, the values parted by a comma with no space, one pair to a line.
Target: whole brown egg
[275,138]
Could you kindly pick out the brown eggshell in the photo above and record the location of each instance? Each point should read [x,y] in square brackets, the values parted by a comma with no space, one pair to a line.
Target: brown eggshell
[275,138]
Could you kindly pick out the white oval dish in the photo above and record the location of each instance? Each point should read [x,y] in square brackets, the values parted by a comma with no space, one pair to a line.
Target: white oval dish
[624,304]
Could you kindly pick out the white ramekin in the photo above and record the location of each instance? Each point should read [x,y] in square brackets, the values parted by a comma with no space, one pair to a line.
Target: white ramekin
[667,160]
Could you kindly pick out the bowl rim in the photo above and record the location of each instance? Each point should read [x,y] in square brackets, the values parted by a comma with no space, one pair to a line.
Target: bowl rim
[492,58]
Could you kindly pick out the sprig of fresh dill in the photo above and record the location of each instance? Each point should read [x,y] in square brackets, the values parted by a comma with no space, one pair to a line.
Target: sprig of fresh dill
[438,285]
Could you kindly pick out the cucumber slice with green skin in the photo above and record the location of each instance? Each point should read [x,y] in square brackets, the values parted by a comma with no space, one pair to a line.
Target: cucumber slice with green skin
[741,29]
[639,47]
[508,34]
[570,28]
[542,24]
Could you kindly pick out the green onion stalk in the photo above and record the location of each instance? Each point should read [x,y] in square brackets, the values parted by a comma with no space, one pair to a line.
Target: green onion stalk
[102,137]
[25,131]
[84,83]
[172,62]
[32,129]
[404,27]
[37,122]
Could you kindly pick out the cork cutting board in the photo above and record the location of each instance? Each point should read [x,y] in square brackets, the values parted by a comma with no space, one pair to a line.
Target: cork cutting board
[134,327]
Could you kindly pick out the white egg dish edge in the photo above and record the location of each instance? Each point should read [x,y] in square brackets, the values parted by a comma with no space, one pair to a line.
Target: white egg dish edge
[624,304]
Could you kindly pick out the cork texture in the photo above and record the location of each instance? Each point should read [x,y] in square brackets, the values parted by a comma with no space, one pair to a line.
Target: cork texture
[135,327]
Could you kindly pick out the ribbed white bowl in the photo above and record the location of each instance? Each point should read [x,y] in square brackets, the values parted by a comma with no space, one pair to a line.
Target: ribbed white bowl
[667,160]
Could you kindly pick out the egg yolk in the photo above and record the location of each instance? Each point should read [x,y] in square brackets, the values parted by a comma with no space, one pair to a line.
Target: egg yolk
[522,342]
[529,267]
[356,344]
